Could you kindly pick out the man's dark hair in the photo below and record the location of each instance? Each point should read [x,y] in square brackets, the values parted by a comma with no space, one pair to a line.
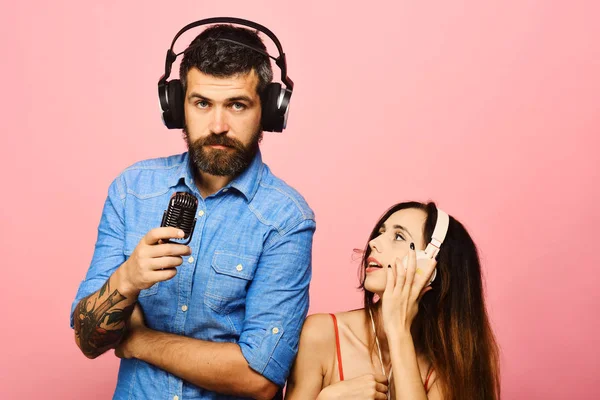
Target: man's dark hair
[224,59]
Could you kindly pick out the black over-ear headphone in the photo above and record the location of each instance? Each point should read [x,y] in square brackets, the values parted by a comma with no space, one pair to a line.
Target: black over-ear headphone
[275,99]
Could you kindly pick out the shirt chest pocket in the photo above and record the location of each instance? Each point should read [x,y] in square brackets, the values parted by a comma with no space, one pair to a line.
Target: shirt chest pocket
[230,276]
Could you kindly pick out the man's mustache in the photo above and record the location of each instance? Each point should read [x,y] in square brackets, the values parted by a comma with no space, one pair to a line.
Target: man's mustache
[220,140]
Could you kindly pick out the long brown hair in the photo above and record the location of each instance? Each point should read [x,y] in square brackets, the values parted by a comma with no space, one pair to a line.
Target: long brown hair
[452,327]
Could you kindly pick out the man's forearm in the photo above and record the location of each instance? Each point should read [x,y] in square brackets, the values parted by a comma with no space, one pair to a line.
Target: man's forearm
[100,318]
[218,367]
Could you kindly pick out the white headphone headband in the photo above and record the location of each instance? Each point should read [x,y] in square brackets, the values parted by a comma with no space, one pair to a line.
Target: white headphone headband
[439,234]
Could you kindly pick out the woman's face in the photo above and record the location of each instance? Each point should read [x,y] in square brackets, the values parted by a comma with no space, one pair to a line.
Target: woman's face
[392,243]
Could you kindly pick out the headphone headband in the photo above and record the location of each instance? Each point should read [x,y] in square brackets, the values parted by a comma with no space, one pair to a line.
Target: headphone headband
[439,234]
[280,61]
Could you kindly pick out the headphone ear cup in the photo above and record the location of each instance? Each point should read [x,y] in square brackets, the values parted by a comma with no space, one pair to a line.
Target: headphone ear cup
[272,116]
[174,116]
[422,258]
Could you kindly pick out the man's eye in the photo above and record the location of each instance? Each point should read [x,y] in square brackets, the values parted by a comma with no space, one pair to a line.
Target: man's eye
[238,106]
[202,104]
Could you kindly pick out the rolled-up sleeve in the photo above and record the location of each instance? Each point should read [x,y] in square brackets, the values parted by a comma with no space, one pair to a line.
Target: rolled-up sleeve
[277,303]
[108,253]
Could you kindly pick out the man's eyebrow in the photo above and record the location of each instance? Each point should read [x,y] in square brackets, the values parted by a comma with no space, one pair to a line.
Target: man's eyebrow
[194,95]
[240,98]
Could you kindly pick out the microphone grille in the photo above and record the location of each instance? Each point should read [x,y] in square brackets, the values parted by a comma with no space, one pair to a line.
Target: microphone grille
[181,212]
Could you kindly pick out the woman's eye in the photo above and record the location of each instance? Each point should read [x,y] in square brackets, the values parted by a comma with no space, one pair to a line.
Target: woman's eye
[398,236]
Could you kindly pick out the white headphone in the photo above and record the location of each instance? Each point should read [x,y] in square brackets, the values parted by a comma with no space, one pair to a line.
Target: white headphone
[437,238]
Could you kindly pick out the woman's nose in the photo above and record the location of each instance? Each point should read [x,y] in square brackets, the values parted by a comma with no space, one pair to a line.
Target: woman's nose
[373,245]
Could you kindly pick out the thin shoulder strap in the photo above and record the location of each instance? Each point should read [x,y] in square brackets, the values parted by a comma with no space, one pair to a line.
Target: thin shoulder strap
[337,346]
[428,376]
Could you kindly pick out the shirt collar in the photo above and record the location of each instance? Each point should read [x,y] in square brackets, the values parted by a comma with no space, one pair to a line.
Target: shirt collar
[246,183]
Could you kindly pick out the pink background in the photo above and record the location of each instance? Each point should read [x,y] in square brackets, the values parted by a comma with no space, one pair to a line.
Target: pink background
[491,109]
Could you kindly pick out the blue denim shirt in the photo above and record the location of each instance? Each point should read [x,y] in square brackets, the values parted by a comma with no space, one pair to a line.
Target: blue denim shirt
[246,281]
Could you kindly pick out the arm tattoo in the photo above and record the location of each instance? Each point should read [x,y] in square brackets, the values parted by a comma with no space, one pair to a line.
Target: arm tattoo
[98,327]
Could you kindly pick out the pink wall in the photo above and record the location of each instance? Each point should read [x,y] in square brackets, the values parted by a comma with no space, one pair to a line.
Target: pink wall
[492,110]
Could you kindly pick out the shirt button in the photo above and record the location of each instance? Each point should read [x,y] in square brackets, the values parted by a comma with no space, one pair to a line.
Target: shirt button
[275,331]
[175,397]
[225,190]
[184,308]
[200,213]
[239,267]
[191,260]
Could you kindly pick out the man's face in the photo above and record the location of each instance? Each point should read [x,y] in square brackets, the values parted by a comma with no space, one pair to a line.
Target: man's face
[222,118]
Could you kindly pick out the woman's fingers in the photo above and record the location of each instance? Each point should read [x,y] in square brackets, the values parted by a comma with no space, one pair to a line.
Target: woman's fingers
[410,270]
[400,274]
[423,274]
[390,280]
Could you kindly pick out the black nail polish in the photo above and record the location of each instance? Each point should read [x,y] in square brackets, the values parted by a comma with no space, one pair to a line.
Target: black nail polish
[389,266]
[412,246]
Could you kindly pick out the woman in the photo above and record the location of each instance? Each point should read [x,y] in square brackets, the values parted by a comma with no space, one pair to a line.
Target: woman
[413,339]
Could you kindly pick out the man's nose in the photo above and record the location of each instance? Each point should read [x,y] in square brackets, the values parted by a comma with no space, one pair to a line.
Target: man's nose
[218,124]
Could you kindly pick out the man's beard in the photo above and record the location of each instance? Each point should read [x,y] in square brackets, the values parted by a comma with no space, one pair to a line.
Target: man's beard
[222,162]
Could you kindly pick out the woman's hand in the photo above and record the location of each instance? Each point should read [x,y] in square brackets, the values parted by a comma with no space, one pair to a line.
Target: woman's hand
[403,290]
[366,387]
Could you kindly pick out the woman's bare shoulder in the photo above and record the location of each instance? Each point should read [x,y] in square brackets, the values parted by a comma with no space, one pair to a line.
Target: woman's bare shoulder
[317,344]
[353,319]
[318,329]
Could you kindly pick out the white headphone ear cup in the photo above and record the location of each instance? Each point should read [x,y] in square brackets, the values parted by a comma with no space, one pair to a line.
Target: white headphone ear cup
[421,255]
[433,275]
